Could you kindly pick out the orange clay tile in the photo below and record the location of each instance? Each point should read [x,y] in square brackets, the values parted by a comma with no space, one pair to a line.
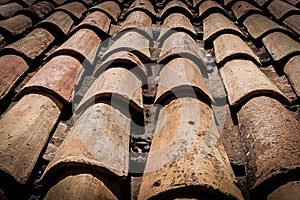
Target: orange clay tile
[270,135]
[83,45]
[242,9]
[76,9]
[243,80]
[38,10]
[292,71]
[186,155]
[80,186]
[293,23]
[111,8]
[12,69]
[258,26]
[280,46]
[281,9]
[24,132]
[56,79]
[217,24]
[15,25]
[121,84]
[137,20]
[228,46]
[33,44]
[175,6]
[181,77]
[143,5]
[208,7]
[8,10]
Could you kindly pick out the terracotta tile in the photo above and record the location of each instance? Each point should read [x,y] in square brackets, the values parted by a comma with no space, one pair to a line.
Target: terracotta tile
[97,21]
[176,21]
[281,9]
[81,186]
[228,46]
[279,45]
[261,2]
[83,45]
[243,80]
[242,9]
[126,59]
[12,68]
[60,23]
[290,190]
[186,155]
[208,7]
[121,84]
[292,71]
[133,42]
[111,8]
[175,6]
[15,25]
[8,10]
[29,2]
[217,24]
[33,44]
[228,2]
[258,26]
[138,20]
[294,2]
[179,44]
[293,22]
[24,130]
[76,9]
[180,78]
[56,78]
[39,9]
[99,142]
[270,135]
[60,2]
[143,5]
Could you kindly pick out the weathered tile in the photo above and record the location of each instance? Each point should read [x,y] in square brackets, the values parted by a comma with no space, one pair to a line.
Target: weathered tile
[143,5]
[258,26]
[98,142]
[2,41]
[292,71]
[294,2]
[97,21]
[24,131]
[208,7]
[121,84]
[228,2]
[293,23]
[60,23]
[217,24]
[242,9]
[56,78]
[133,42]
[175,6]
[261,2]
[111,8]
[181,77]
[81,186]
[281,9]
[4,2]
[270,136]
[15,25]
[179,44]
[83,45]
[186,155]
[76,9]
[243,80]
[280,46]
[29,2]
[8,10]
[33,44]
[39,9]
[60,2]
[12,68]
[228,46]
[288,191]
[176,21]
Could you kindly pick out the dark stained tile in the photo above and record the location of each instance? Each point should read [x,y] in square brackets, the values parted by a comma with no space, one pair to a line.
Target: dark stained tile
[228,46]
[242,9]
[181,77]
[209,7]
[76,9]
[111,8]
[217,24]
[8,10]
[186,155]
[15,26]
[119,83]
[292,71]
[81,186]
[32,45]
[143,5]
[24,130]
[138,20]
[243,80]
[83,45]
[38,10]
[4,2]
[281,9]
[29,2]
[293,23]
[56,78]
[280,46]
[294,2]
[12,69]
[176,6]
[270,136]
